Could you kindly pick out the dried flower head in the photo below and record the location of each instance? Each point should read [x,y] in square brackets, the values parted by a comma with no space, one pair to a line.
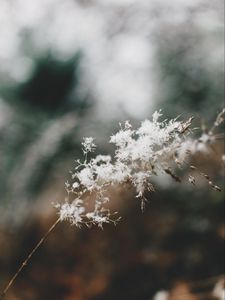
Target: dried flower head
[140,154]
[88,145]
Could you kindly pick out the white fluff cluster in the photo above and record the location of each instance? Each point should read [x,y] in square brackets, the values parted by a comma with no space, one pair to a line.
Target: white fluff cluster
[140,154]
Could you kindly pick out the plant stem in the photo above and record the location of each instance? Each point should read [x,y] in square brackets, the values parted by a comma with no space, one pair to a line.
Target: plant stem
[25,262]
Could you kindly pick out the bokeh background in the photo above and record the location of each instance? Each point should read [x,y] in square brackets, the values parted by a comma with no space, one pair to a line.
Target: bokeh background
[76,68]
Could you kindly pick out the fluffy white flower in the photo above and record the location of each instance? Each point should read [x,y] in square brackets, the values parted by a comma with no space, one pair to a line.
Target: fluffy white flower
[140,154]
[85,177]
[121,138]
[88,145]
[155,116]
[73,212]
[97,218]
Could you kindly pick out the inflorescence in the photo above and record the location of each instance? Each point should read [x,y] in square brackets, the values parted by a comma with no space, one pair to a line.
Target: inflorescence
[152,149]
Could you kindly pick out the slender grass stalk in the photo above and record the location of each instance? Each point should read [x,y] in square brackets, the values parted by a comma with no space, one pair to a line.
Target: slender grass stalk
[28,258]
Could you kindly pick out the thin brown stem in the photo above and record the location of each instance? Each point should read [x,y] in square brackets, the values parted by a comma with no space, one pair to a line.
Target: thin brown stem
[25,262]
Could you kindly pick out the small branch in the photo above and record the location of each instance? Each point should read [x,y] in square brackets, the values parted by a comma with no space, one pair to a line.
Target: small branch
[25,262]
[174,176]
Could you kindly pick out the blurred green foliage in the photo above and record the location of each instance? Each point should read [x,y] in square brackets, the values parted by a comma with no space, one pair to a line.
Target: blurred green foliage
[186,80]
[41,127]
